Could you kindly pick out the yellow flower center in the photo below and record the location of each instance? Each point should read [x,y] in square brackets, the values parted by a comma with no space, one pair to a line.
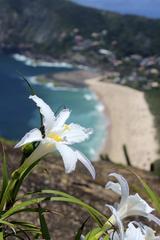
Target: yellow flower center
[66,127]
[56,137]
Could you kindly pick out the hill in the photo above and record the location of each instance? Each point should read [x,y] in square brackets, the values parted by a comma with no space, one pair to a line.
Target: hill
[50,26]
[49,174]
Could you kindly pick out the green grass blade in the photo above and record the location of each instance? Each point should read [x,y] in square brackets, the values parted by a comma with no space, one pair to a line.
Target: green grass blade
[43,224]
[91,235]
[16,208]
[27,225]
[93,212]
[75,200]
[1,236]
[5,175]
[15,183]
[21,178]
[29,85]
[89,209]
[152,195]
[32,93]
[10,225]
[80,230]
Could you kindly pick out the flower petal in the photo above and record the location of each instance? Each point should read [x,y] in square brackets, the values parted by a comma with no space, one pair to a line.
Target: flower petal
[153,218]
[32,136]
[149,233]
[69,157]
[133,233]
[137,206]
[46,111]
[82,237]
[124,187]
[115,187]
[117,221]
[87,163]
[76,133]
[61,119]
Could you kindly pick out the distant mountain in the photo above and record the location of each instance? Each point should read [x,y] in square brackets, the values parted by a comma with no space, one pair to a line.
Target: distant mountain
[47,27]
[148,8]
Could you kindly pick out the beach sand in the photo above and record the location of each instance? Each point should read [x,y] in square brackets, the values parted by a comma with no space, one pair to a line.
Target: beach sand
[131,123]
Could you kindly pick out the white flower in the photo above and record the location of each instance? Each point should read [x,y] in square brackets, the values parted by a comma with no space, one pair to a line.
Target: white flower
[57,135]
[134,233]
[130,205]
[149,234]
[138,232]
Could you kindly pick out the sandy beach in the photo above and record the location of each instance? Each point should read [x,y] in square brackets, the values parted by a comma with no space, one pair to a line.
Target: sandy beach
[131,123]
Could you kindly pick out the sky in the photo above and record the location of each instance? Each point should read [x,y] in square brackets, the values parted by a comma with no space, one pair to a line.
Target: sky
[148,8]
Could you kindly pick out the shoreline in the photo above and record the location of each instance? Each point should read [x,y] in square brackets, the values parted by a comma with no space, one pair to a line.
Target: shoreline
[142,144]
[131,124]
[106,142]
[119,129]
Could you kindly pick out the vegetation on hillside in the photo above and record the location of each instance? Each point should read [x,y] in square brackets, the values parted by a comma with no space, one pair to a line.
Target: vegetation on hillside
[47,27]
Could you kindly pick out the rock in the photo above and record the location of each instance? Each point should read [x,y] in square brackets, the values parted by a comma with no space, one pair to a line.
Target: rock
[65,219]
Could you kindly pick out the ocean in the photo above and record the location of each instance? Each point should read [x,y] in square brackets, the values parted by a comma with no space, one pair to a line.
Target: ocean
[19,114]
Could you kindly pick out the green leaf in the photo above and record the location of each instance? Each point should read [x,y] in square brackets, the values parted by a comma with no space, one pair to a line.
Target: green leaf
[27,225]
[1,235]
[95,214]
[18,235]
[106,238]
[5,176]
[155,199]
[43,224]
[80,230]
[63,197]
[90,210]
[32,93]
[29,85]
[12,226]
[15,183]
[91,235]
[68,198]
[152,195]
[31,210]
[20,206]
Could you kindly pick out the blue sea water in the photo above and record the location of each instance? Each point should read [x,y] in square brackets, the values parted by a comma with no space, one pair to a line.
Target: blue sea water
[19,114]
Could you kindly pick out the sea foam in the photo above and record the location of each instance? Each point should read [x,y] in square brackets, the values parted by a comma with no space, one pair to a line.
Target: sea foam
[38,63]
[99,107]
[88,97]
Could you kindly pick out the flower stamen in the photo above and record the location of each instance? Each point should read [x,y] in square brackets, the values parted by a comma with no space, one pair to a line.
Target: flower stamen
[55,137]
[66,127]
